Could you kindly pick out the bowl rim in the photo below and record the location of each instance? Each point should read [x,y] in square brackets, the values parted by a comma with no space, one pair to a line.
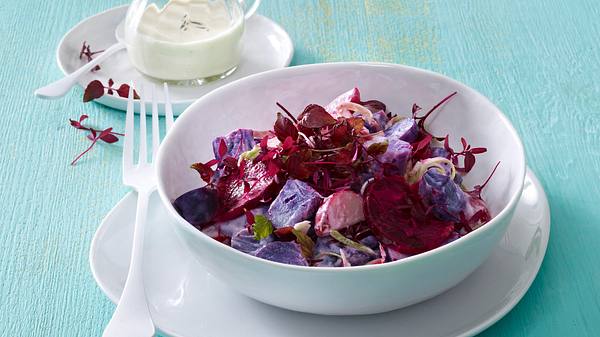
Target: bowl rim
[186,226]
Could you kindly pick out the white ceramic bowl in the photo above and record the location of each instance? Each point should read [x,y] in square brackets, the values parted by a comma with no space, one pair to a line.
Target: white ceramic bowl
[250,103]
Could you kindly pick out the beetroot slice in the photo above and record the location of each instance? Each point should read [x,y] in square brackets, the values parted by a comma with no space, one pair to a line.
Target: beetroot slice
[395,213]
[244,191]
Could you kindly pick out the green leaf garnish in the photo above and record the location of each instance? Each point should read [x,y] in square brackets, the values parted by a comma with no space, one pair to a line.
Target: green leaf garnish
[305,242]
[251,154]
[345,241]
[262,227]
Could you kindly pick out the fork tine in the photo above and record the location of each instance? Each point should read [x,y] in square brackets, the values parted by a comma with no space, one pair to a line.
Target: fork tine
[155,128]
[129,130]
[143,154]
[168,108]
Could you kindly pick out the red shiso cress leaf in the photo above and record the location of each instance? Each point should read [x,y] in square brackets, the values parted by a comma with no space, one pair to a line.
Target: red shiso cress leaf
[272,168]
[204,170]
[295,166]
[415,108]
[268,156]
[249,218]
[341,134]
[463,141]
[105,132]
[109,138]
[421,147]
[481,216]
[230,165]
[123,91]
[395,213]
[75,124]
[222,148]
[478,150]
[232,197]
[94,90]
[264,142]
[287,144]
[423,143]
[346,155]
[315,116]
[110,86]
[285,128]
[447,145]
[241,170]
[469,161]
[373,105]
[211,162]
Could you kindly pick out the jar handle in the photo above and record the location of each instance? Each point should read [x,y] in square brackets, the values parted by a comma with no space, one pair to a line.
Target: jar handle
[250,11]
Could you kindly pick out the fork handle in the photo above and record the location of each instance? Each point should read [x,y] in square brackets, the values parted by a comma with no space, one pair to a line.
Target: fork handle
[132,317]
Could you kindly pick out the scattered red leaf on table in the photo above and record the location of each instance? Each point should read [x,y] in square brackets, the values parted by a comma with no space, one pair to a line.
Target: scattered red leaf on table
[106,135]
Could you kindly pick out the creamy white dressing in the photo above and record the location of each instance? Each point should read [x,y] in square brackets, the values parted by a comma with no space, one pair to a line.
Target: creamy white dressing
[186,39]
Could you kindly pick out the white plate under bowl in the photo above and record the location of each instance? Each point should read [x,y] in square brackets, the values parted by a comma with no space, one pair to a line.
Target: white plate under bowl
[267,46]
[187,301]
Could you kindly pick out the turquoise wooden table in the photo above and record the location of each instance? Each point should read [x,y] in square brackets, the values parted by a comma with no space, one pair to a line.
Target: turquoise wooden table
[538,60]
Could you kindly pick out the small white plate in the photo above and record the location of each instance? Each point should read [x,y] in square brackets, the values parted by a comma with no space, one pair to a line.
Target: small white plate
[186,301]
[267,46]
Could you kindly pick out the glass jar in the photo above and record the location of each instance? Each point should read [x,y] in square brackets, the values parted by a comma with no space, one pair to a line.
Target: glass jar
[182,40]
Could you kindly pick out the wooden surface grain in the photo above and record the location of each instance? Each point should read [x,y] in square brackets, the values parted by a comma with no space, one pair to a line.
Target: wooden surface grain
[539,60]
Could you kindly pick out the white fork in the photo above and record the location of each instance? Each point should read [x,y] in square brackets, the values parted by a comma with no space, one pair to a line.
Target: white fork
[132,316]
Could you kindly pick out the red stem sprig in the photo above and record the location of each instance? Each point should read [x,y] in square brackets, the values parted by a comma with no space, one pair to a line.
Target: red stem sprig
[287,112]
[468,154]
[421,119]
[95,89]
[205,169]
[106,135]
[476,192]
[88,54]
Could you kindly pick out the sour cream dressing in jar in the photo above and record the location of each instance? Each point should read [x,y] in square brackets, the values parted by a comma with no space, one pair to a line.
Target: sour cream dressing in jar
[182,40]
